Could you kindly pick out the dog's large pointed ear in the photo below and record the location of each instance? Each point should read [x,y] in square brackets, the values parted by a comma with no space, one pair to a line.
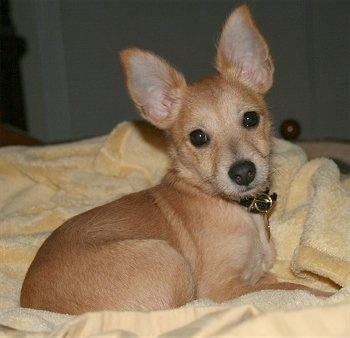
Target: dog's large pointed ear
[155,87]
[243,53]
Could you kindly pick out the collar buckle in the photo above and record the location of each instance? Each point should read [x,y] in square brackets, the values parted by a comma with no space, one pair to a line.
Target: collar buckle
[261,204]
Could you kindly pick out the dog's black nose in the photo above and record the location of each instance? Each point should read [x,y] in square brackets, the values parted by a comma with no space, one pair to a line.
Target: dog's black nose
[242,172]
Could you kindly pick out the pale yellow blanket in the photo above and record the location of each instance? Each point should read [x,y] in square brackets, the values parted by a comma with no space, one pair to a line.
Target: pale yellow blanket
[41,187]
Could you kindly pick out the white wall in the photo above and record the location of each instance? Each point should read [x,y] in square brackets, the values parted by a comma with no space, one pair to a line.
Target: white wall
[74,83]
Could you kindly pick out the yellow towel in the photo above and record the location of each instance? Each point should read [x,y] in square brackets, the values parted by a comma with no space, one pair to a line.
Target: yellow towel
[40,187]
[311,222]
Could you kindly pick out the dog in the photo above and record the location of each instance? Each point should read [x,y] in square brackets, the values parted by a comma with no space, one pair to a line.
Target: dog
[191,236]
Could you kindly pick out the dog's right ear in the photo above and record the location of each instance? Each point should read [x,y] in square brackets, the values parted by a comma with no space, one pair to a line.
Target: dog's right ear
[243,53]
[155,87]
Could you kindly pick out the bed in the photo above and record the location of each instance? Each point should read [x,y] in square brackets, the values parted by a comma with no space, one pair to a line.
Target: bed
[42,186]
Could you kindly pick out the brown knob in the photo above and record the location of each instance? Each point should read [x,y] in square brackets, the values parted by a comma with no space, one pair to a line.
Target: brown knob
[290,129]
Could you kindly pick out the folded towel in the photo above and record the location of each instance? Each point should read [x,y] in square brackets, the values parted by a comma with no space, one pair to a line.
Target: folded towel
[41,187]
[324,248]
[311,222]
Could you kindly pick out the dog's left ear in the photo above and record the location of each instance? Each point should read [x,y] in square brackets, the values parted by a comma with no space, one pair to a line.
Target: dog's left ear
[243,53]
[154,85]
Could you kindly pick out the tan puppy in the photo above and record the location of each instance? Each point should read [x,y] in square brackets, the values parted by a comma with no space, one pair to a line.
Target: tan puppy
[188,237]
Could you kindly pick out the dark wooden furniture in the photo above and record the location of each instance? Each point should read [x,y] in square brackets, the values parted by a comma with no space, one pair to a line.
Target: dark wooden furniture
[337,150]
[10,135]
[12,48]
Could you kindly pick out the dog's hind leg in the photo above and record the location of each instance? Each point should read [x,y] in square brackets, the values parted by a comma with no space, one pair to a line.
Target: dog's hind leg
[133,275]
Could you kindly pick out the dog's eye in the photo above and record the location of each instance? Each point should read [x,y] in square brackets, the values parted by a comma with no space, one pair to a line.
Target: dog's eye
[199,138]
[250,119]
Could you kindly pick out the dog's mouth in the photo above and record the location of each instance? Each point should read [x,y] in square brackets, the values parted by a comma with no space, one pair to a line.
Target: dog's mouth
[244,193]
[236,193]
